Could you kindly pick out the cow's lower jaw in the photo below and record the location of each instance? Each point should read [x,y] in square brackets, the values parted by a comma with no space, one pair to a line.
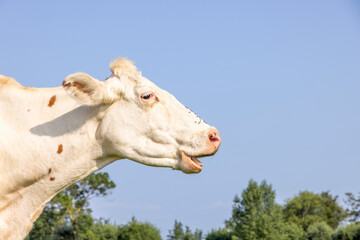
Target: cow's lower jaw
[190,164]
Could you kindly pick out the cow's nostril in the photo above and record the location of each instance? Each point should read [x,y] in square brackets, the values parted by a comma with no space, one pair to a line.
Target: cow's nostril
[214,136]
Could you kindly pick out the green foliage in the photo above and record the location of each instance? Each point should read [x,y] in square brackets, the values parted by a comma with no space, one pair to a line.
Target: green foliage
[220,234]
[46,224]
[294,232]
[319,231]
[103,230]
[63,232]
[78,195]
[349,232]
[333,211]
[354,211]
[256,215]
[179,233]
[308,208]
[198,234]
[135,230]
[67,215]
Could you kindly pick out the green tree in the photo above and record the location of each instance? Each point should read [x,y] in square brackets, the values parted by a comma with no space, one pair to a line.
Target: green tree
[103,230]
[46,224]
[354,211]
[219,234]
[319,231]
[198,234]
[188,235]
[135,230]
[68,215]
[256,215]
[294,232]
[75,200]
[179,233]
[334,213]
[308,208]
[349,232]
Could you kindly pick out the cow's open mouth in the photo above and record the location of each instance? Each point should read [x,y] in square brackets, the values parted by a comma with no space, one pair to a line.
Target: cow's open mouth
[190,163]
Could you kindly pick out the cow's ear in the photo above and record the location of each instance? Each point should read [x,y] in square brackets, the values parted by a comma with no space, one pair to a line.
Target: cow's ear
[89,91]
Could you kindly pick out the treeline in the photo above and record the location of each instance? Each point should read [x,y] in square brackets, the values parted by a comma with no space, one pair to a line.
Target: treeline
[255,215]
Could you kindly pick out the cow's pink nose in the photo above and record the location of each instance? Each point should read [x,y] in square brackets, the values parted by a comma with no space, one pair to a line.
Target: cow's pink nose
[214,137]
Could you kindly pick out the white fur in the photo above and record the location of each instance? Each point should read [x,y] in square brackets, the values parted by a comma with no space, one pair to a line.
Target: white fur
[115,123]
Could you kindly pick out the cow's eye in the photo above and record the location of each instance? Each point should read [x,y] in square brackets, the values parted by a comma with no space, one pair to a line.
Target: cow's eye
[147,96]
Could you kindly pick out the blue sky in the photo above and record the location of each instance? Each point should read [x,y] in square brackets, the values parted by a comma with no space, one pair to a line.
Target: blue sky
[279,79]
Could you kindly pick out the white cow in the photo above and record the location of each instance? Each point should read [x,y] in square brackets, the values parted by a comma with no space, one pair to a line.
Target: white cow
[51,138]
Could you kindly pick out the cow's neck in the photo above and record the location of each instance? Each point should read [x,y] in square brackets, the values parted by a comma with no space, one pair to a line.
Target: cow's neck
[48,144]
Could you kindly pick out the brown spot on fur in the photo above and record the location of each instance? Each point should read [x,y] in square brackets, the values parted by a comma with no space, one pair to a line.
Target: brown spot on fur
[52,101]
[52,178]
[49,171]
[60,149]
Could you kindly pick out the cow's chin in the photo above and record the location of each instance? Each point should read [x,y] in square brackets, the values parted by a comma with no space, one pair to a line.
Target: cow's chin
[189,164]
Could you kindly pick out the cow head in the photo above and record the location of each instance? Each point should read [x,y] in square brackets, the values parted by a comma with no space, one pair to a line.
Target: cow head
[143,122]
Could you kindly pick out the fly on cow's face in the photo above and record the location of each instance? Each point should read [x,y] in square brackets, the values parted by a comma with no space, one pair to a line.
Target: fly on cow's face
[200,119]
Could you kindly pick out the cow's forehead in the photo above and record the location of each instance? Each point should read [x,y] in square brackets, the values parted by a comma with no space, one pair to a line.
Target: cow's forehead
[143,82]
